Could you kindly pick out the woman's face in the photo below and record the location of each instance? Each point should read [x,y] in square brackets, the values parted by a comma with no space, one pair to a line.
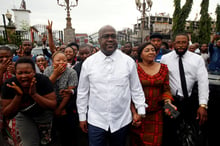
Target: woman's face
[148,53]
[24,74]
[59,59]
[41,62]
[70,54]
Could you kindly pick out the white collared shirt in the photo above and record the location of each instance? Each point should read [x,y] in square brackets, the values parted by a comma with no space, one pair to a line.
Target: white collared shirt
[106,86]
[195,70]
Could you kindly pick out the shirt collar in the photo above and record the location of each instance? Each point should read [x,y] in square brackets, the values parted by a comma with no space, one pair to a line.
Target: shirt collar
[113,56]
[177,56]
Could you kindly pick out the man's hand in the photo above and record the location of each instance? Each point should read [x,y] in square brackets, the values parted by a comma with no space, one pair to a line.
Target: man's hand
[84,126]
[202,115]
[136,120]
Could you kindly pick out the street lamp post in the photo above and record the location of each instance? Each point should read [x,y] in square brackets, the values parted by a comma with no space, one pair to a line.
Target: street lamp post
[69,32]
[6,34]
[141,6]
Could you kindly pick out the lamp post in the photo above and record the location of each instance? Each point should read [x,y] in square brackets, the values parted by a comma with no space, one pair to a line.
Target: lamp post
[6,34]
[69,32]
[9,16]
[141,6]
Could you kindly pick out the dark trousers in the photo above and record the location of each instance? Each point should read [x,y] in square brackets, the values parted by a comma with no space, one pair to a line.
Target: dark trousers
[65,131]
[100,137]
[213,112]
[185,130]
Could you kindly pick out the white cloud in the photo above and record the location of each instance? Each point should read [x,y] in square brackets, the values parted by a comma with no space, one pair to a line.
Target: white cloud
[90,15]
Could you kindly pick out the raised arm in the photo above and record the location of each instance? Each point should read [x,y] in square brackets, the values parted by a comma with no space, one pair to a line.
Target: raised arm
[50,37]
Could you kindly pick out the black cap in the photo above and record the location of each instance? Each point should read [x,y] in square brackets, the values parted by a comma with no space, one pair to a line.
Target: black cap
[156,35]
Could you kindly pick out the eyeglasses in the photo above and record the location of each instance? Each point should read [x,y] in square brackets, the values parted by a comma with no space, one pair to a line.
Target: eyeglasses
[106,36]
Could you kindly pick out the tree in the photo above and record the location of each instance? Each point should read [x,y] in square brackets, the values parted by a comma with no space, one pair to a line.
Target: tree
[217,12]
[204,23]
[180,15]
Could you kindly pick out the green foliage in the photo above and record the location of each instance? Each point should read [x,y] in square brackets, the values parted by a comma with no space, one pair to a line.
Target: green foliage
[180,15]
[204,23]
[2,41]
[217,12]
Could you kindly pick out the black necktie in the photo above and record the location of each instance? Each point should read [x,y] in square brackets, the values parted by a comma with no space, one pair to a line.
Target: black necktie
[183,78]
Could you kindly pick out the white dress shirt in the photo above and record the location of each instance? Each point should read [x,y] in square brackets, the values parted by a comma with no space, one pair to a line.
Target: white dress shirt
[106,86]
[195,70]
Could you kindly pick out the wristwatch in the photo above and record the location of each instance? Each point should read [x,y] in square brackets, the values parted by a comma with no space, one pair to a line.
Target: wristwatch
[204,106]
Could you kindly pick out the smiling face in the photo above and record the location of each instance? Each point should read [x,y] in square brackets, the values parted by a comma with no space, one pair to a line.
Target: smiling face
[148,53]
[107,40]
[70,54]
[24,74]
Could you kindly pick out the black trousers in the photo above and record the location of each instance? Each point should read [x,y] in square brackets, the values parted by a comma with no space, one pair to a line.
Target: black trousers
[185,130]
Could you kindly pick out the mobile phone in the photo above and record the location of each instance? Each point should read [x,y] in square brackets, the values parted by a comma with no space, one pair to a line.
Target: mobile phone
[174,113]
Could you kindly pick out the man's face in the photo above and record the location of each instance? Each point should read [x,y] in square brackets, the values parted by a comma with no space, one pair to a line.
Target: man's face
[127,49]
[107,40]
[156,42]
[27,47]
[84,53]
[192,48]
[181,43]
[134,52]
[204,48]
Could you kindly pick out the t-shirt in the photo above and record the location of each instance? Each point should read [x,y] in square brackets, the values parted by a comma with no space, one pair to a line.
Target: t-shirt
[43,87]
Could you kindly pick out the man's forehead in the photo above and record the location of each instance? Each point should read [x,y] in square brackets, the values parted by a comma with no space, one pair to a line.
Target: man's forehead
[26,42]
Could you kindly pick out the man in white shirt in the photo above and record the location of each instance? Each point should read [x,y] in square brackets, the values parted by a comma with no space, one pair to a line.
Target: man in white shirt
[195,71]
[108,82]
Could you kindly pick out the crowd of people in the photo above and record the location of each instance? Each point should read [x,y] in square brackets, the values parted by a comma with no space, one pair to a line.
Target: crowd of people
[157,93]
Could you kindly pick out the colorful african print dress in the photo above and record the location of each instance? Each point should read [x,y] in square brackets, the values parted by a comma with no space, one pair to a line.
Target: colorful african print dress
[156,88]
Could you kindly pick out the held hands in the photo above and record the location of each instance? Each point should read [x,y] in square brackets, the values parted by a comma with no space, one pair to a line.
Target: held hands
[84,126]
[136,120]
[18,90]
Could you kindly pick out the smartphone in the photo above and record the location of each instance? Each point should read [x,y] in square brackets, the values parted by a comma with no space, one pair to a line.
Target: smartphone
[174,113]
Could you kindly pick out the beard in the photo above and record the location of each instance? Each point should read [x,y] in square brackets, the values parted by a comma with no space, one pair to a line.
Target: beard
[180,53]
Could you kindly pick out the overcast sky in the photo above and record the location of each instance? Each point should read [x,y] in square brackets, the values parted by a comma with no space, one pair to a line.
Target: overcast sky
[90,15]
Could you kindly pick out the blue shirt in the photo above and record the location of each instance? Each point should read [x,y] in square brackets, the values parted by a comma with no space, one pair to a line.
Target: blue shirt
[214,65]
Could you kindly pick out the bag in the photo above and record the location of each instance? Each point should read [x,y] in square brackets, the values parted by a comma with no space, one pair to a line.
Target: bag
[188,133]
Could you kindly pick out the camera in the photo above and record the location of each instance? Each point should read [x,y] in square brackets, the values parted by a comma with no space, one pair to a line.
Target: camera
[217,33]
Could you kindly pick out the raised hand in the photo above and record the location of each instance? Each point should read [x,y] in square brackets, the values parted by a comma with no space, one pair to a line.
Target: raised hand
[4,65]
[32,89]
[16,88]
[49,26]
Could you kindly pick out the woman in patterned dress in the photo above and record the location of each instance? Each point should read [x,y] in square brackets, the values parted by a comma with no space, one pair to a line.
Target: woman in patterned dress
[155,82]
